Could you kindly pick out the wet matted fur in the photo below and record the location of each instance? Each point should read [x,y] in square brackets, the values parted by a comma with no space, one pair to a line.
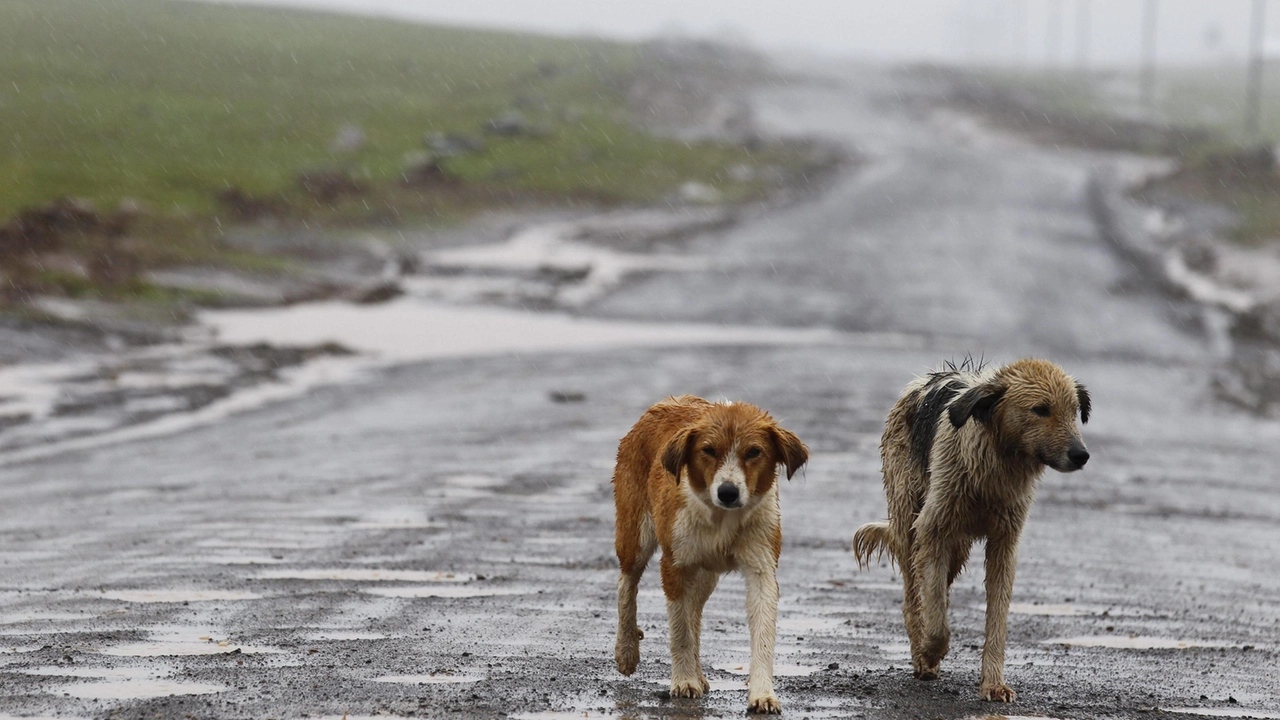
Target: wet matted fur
[699,479]
[963,450]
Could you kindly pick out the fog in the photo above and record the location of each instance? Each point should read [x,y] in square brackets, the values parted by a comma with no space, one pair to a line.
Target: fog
[986,31]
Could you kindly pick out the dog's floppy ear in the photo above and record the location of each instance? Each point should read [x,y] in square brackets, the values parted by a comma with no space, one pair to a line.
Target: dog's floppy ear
[791,452]
[676,454]
[978,402]
[1086,404]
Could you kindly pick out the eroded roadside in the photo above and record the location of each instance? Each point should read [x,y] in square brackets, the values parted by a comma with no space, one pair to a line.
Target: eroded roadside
[1182,208]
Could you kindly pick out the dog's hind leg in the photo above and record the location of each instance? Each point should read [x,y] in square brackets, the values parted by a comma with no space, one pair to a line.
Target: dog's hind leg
[932,561]
[634,551]
[1002,560]
[904,550]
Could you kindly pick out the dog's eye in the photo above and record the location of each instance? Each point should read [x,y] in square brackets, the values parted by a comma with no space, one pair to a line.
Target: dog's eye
[1041,410]
[709,451]
[752,453]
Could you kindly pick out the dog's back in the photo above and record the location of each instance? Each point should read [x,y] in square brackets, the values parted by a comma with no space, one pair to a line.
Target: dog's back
[905,449]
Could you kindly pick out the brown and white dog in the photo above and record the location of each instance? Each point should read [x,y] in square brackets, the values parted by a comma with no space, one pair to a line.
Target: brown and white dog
[699,479]
[962,452]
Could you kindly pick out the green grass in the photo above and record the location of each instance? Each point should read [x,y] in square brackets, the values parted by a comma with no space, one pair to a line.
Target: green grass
[169,102]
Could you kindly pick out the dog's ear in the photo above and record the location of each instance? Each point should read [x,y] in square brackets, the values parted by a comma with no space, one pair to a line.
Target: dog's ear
[676,454]
[978,402]
[1086,404]
[791,452]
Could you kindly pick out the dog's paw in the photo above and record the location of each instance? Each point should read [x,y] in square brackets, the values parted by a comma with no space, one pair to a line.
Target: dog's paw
[998,692]
[627,652]
[924,669]
[688,688]
[767,705]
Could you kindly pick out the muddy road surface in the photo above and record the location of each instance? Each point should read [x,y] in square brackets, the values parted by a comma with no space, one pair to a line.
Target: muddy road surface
[435,538]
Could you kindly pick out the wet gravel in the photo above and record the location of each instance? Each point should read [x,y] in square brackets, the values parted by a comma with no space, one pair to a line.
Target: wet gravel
[453,519]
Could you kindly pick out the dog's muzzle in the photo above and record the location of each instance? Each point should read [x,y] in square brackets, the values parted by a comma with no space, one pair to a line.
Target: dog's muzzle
[1077,456]
[728,495]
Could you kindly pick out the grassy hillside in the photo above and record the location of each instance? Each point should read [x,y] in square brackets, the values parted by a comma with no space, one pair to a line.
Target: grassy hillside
[168,102]
[199,115]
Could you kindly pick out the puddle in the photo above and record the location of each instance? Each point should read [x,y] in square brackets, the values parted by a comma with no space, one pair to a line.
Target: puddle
[474,481]
[239,560]
[127,673]
[362,575]
[804,624]
[45,617]
[427,679]
[178,596]
[1231,712]
[896,649]
[716,685]
[1051,610]
[168,648]
[136,689]
[567,715]
[322,635]
[553,264]
[443,591]
[471,331]
[778,670]
[48,434]
[1123,642]
[1009,717]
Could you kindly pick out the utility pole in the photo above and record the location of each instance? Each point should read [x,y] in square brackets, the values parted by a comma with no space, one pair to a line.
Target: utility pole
[1082,35]
[1147,82]
[1257,60]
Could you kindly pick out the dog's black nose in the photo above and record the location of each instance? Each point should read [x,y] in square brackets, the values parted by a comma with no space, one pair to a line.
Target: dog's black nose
[728,494]
[1078,456]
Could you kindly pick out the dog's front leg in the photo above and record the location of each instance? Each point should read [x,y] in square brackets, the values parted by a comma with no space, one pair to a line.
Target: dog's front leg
[678,585]
[1002,560]
[762,620]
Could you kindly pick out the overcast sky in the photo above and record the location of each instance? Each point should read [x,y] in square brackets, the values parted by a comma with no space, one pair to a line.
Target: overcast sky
[1189,31]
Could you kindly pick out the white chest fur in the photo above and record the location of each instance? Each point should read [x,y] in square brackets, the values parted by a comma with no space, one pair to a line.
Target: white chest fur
[718,540]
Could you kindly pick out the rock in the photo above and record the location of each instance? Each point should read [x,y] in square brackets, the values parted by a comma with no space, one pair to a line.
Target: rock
[349,139]
[376,293]
[423,168]
[699,193]
[329,185]
[444,145]
[245,206]
[1257,162]
[42,228]
[513,124]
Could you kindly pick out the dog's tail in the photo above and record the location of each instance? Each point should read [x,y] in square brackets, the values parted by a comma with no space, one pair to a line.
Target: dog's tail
[871,539]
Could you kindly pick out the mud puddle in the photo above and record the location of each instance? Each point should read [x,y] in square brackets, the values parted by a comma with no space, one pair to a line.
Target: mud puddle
[1137,642]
